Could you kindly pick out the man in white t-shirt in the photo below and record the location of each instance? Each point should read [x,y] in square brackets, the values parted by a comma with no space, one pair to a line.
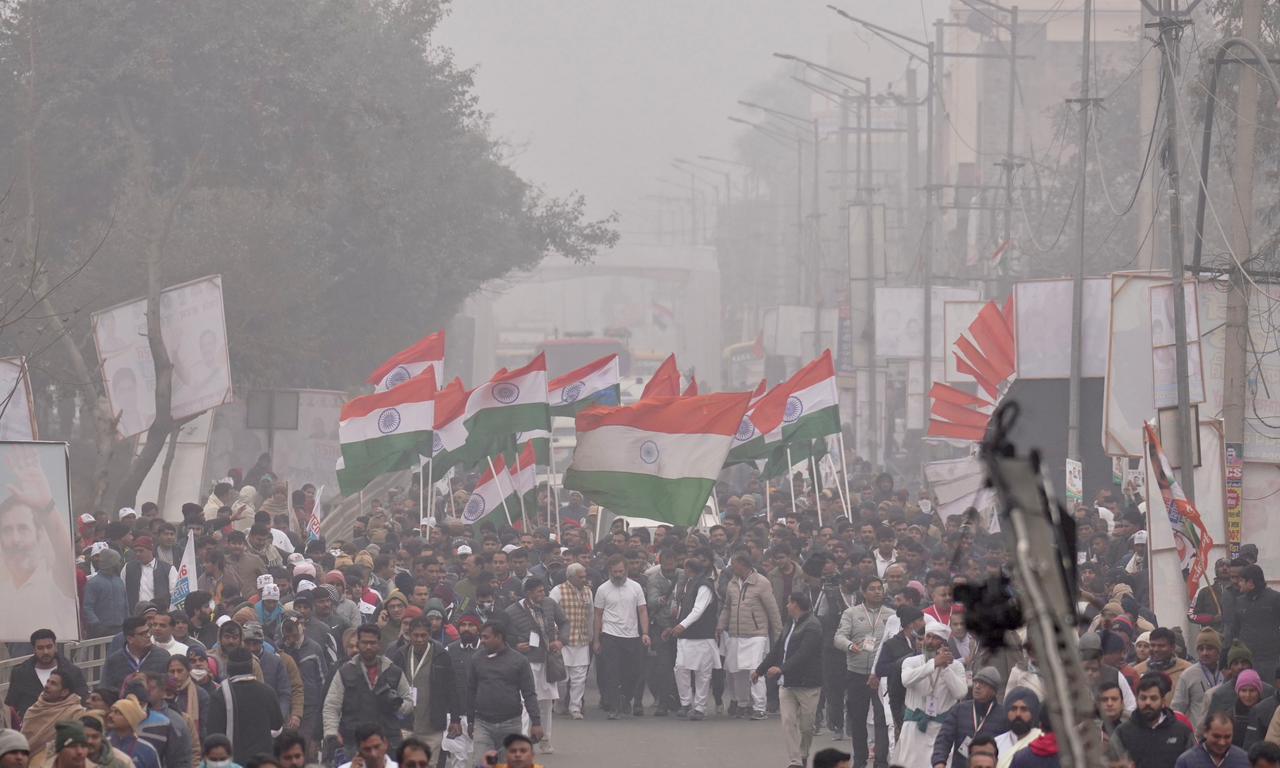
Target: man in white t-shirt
[620,635]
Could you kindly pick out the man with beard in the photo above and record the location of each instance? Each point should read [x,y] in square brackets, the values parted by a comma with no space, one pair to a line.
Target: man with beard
[621,636]
[1162,659]
[1022,712]
[366,688]
[1256,622]
[575,599]
[1216,749]
[981,715]
[55,705]
[27,681]
[888,664]
[934,681]
[858,637]
[1154,737]
[101,753]
[70,746]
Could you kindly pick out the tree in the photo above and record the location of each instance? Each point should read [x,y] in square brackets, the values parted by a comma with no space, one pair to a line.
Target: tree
[321,155]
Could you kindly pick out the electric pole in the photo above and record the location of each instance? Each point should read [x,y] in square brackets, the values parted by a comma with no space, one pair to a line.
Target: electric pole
[1077,278]
[1171,23]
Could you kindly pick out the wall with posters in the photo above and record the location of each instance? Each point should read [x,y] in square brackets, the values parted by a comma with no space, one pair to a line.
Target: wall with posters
[305,455]
[195,335]
[37,564]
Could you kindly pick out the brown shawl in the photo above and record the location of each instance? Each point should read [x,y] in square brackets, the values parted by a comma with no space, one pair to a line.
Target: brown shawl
[38,724]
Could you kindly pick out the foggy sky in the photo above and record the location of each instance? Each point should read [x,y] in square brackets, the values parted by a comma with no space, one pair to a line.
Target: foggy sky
[599,95]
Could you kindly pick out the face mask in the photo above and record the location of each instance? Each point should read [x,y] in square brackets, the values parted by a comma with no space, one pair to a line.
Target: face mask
[199,675]
[218,763]
[486,607]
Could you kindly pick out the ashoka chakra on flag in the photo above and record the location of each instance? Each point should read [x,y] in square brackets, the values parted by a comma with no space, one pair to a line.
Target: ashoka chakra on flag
[649,452]
[746,430]
[474,510]
[572,392]
[398,376]
[388,421]
[794,410]
[505,392]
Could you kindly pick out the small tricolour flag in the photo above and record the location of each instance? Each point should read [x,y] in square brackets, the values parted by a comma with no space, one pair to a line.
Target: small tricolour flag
[595,383]
[188,575]
[523,472]
[408,363]
[665,381]
[539,440]
[657,459]
[387,424]
[509,403]
[487,500]
[313,522]
[448,443]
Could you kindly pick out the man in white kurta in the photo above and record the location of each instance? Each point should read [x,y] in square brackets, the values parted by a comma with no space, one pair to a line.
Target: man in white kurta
[934,681]
[697,653]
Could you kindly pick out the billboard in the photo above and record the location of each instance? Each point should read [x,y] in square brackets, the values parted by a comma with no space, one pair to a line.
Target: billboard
[899,326]
[17,408]
[307,454]
[1043,320]
[37,562]
[195,335]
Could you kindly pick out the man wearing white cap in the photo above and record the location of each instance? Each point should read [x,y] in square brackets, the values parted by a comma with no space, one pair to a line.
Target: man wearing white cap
[14,751]
[934,682]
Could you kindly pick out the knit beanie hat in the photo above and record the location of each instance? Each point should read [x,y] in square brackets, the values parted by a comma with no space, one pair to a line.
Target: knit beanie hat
[12,741]
[1239,652]
[68,734]
[1248,679]
[1208,637]
[130,710]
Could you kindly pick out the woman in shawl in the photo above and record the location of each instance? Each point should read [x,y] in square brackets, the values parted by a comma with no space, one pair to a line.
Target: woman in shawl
[187,699]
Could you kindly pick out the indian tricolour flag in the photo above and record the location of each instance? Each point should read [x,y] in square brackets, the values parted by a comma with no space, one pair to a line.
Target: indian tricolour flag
[748,443]
[450,437]
[595,383]
[805,407]
[523,472]
[509,403]
[539,441]
[493,497]
[387,424]
[408,363]
[657,459]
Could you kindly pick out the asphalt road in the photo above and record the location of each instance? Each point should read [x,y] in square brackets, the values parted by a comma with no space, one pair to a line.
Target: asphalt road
[643,742]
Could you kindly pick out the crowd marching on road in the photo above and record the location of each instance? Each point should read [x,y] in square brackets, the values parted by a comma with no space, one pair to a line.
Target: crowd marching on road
[453,645]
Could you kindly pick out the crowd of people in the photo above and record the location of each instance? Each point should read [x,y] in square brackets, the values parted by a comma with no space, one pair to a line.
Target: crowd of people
[445,644]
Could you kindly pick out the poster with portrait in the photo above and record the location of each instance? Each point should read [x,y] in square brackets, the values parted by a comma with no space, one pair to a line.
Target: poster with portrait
[17,408]
[899,330]
[37,564]
[195,334]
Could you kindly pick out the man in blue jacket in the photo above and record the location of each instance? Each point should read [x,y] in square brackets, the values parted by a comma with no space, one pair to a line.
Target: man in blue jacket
[979,715]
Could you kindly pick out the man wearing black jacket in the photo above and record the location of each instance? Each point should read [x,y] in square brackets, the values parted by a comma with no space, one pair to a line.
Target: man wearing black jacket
[244,709]
[795,661]
[1154,737]
[147,577]
[888,665]
[27,680]
[1256,622]
[430,671]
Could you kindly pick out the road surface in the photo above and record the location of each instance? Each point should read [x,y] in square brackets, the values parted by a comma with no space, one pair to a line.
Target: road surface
[643,742]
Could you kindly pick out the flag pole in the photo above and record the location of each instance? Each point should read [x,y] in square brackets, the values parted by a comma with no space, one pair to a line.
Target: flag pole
[431,495]
[503,495]
[453,509]
[844,501]
[791,482]
[552,501]
[768,508]
[817,486]
[524,518]
[715,505]
[844,470]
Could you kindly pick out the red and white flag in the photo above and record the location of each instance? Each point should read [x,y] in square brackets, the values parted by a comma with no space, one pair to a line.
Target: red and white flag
[407,363]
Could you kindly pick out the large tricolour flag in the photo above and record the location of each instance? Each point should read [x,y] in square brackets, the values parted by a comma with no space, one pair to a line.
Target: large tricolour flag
[509,403]
[387,424]
[450,437]
[408,363]
[657,459]
[665,381]
[595,383]
[1191,538]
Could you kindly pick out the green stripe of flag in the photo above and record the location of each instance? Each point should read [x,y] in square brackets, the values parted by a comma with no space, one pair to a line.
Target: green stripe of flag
[376,450]
[678,502]
[354,478]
